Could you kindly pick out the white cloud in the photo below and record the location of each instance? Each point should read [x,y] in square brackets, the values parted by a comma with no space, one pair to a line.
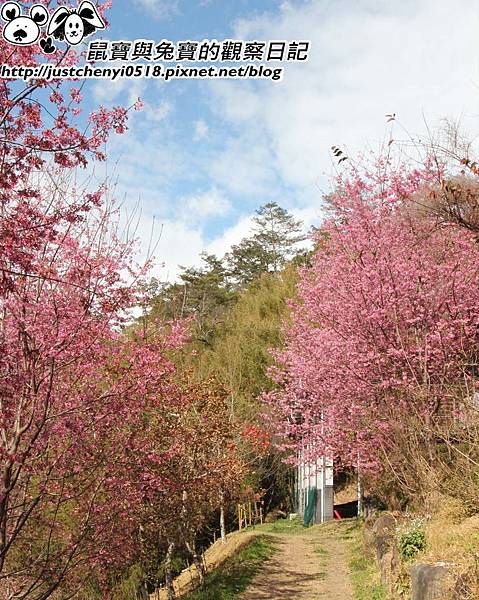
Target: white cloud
[201,130]
[367,59]
[178,244]
[232,235]
[244,228]
[161,9]
[272,140]
[158,112]
[245,166]
[127,92]
[238,102]
[106,91]
[180,240]
[167,243]
[207,204]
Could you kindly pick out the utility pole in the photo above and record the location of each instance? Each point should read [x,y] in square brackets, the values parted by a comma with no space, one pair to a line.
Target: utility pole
[360,492]
[323,475]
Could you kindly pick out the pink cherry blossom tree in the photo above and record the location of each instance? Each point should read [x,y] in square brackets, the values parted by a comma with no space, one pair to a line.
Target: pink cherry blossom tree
[385,324]
[75,394]
[78,403]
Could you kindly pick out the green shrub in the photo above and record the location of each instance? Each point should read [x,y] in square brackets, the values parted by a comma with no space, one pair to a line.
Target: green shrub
[412,540]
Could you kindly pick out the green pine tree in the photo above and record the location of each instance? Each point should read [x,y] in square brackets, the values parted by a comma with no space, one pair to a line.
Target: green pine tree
[274,242]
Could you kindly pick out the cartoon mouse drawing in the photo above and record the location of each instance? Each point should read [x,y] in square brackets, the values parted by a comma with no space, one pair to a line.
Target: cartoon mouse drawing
[22,30]
[74,26]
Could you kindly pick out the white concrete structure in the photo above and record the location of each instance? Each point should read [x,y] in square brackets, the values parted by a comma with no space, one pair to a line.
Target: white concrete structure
[314,484]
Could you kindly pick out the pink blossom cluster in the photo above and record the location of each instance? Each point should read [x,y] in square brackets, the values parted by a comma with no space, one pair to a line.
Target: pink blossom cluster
[385,323]
[100,438]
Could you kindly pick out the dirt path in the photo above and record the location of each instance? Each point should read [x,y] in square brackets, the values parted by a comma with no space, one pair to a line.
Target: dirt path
[310,565]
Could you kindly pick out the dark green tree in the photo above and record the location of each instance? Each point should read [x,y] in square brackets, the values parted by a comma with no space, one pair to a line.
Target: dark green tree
[202,293]
[238,304]
[274,241]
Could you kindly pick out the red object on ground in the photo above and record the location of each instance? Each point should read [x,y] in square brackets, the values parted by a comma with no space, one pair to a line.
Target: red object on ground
[337,516]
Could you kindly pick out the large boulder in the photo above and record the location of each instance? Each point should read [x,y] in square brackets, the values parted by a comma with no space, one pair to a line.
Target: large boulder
[383,536]
[430,582]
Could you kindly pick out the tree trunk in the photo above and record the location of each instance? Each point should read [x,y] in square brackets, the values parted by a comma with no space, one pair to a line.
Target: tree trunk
[360,493]
[197,561]
[143,591]
[170,590]
[222,516]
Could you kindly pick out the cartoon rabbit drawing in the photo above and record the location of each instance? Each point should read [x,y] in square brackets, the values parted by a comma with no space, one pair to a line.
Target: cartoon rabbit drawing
[73,26]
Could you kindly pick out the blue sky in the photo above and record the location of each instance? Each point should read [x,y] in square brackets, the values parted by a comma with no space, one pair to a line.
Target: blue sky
[203,155]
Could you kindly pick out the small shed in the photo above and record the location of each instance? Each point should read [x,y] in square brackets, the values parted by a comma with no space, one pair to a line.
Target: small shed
[314,489]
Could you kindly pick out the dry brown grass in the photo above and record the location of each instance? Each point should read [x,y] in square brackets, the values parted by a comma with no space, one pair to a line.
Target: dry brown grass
[450,534]
[452,537]
[347,494]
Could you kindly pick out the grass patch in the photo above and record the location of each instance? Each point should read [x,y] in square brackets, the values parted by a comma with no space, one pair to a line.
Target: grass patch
[364,573]
[320,551]
[351,530]
[282,526]
[233,577]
